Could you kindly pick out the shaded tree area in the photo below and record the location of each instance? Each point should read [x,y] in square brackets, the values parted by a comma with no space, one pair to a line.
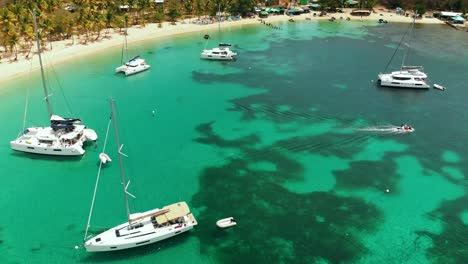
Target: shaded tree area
[90,20]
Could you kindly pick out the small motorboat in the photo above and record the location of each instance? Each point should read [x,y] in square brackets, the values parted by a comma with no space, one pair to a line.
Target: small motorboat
[439,87]
[226,222]
[405,129]
[104,158]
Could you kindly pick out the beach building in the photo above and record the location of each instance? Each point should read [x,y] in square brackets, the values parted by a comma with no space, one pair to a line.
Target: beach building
[360,12]
[448,15]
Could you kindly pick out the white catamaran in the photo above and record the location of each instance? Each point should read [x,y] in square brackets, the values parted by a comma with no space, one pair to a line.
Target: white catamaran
[141,228]
[223,51]
[64,136]
[133,65]
[408,76]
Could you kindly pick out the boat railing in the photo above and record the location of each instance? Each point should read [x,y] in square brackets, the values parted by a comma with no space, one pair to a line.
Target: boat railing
[412,68]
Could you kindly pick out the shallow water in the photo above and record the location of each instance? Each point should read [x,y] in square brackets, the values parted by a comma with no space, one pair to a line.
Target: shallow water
[272,139]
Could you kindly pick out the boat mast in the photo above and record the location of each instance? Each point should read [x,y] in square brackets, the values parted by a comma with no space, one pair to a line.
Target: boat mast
[125,48]
[122,174]
[219,20]
[409,41]
[46,93]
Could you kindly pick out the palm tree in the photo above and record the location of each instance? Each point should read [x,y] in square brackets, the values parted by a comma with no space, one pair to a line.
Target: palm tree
[109,18]
[13,41]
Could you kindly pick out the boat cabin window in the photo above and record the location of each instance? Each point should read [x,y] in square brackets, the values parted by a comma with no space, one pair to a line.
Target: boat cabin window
[402,78]
[48,142]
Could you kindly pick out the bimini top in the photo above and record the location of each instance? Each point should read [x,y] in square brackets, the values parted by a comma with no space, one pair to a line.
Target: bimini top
[60,120]
[57,122]
[224,45]
[135,61]
[175,211]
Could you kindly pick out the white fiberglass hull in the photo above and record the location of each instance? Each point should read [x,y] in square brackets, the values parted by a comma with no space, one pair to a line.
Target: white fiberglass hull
[23,146]
[120,237]
[218,54]
[30,142]
[216,57]
[388,81]
[127,70]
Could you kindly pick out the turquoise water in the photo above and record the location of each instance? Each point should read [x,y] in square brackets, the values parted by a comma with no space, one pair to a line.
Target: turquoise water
[272,139]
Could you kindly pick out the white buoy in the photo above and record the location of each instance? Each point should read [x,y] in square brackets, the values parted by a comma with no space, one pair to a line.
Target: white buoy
[154,112]
[387,191]
[77,247]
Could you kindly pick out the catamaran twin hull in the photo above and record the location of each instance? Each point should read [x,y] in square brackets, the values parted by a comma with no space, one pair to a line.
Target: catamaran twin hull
[142,233]
[46,141]
[398,80]
[218,54]
[133,66]
[129,70]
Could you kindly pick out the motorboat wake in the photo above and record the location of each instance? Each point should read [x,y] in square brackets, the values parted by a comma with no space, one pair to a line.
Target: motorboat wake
[389,129]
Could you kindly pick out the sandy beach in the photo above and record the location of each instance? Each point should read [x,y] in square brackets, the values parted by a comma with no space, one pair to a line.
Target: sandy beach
[63,50]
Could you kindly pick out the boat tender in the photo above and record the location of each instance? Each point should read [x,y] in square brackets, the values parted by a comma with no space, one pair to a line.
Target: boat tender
[226,222]
[439,87]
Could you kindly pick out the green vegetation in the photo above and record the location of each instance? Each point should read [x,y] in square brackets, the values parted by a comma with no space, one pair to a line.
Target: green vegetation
[87,19]
[90,20]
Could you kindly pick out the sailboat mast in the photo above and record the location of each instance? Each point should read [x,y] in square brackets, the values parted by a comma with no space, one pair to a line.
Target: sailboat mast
[219,20]
[122,174]
[409,41]
[46,92]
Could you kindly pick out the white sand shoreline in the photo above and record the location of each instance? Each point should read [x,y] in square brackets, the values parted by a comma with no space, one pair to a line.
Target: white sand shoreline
[62,50]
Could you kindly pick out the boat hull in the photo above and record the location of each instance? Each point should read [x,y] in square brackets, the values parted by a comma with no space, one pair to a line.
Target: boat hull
[214,57]
[42,149]
[145,231]
[386,80]
[132,70]
[140,241]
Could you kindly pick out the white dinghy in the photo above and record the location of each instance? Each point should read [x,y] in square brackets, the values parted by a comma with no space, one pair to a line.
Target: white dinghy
[104,158]
[226,222]
[439,87]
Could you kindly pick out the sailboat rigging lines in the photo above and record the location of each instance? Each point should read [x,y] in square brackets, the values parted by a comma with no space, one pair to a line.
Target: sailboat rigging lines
[133,65]
[63,137]
[140,228]
[223,51]
[408,76]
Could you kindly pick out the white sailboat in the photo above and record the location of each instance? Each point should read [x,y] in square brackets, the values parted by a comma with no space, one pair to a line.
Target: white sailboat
[133,65]
[64,136]
[408,76]
[141,228]
[223,51]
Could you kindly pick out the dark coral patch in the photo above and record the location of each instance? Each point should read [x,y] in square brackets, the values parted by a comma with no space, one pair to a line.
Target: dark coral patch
[316,225]
[450,246]
[275,224]
[368,174]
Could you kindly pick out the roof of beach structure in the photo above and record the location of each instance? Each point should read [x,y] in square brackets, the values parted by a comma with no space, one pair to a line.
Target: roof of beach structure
[450,14]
